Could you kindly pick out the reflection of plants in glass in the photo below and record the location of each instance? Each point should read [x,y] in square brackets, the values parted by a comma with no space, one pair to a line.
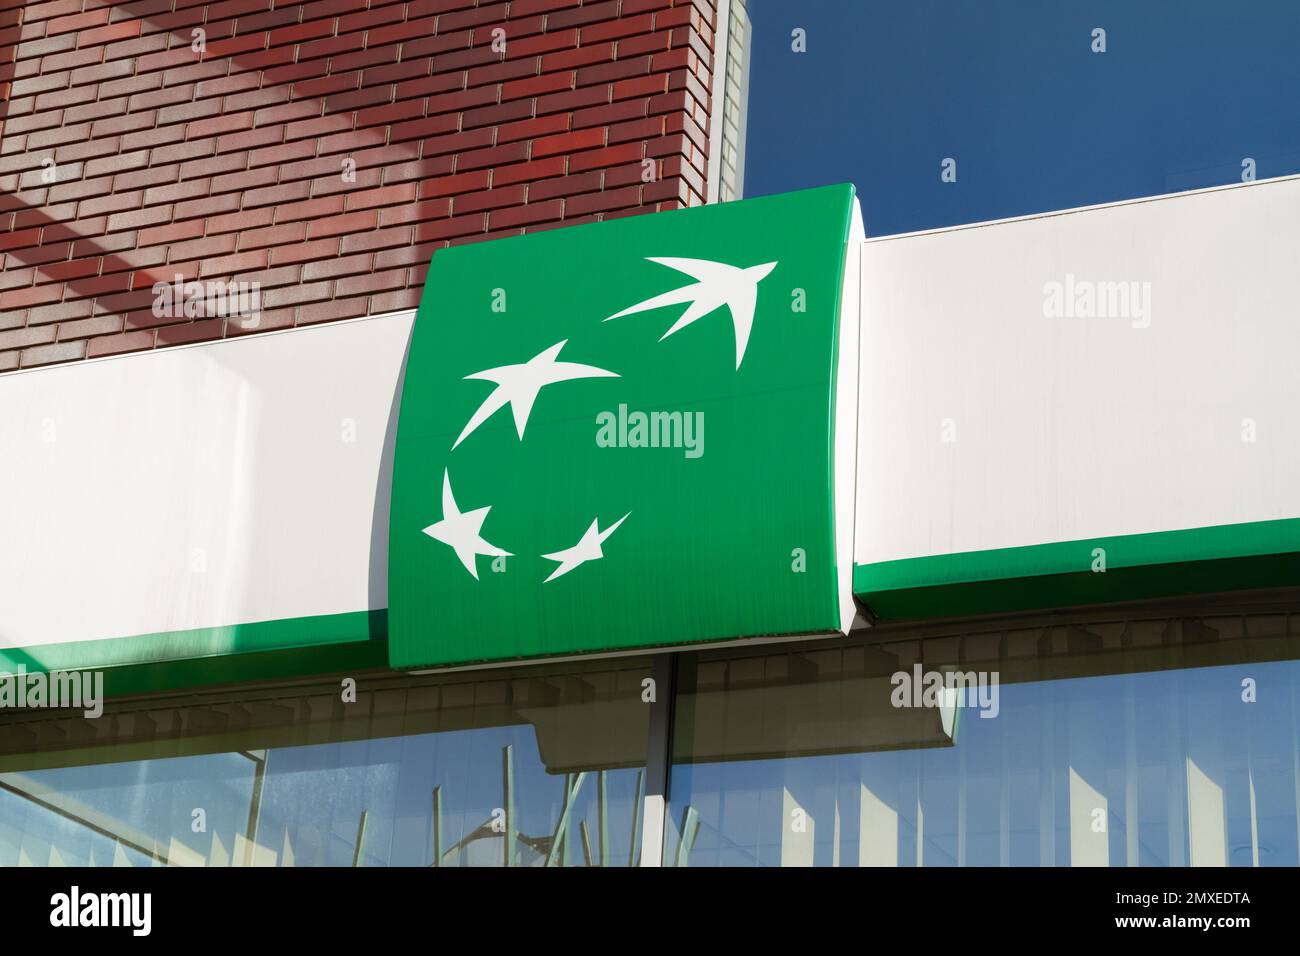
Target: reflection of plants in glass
[690,830]
[551,849]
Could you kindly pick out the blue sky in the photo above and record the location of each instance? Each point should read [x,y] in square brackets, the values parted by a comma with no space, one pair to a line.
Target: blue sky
[1012,90]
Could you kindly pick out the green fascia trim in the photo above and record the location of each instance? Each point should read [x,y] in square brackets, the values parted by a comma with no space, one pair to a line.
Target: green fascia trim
[1258,554]
[263,650]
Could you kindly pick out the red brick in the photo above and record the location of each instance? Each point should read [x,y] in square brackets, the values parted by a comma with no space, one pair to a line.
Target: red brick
[109,34]
[496,114]
[398,301]
[96,325]
[588,13]
[331,183]
[420,128]
[49,354]
[452,185]
[415,212]
[204,330]
[500,72]
[332,311]
[406,255]
[488,199]
[181,152]
[173,232]
[335,267]
[388,196]
[572,100]
[613,156]
[522,215]
[542,43]
[525,172]
[106,204]
[22,338]
[17,240]
[272,236]
[461,100]
[102,285]
[305,251]
[337,225]
[614,29]
[496,156]
[282,153]
[447,228]
[638,86]
[569,142]
[457,142]
[651,127]
[71,60]
[324,85]
[644,43]
[528,129]
[173,192]
[118,344]
[203,248]
[76,269]
[238,264]
[536,85]
[59,312]
[311,209]
[219,125]
[390,113]
[367,284]
[271,195]
[296,295]
[583,56]
[565,186]
[523,8]
[207,206]
[599,202]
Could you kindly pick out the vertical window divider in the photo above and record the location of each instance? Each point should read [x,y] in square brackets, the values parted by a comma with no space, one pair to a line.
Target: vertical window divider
[658,760]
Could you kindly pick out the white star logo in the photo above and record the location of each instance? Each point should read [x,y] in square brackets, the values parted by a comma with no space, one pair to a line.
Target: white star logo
[518,385]
[588,549]
[717,284]
[460,530]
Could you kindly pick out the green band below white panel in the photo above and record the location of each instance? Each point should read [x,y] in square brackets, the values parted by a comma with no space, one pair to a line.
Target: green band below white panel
[1257,554]
[262,650]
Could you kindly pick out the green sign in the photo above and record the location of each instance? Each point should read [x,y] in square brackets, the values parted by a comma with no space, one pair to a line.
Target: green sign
[622,435]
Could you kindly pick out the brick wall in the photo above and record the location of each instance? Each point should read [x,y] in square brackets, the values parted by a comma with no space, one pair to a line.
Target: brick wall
[229,163]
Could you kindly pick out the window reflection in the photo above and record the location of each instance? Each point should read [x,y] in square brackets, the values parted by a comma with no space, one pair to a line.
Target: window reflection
[543,769]
[1120,743]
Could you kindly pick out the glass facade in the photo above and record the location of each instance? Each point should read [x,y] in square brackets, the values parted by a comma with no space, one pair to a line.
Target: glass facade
[1154,741]
[539,768]
[1165,736]
[1035,108]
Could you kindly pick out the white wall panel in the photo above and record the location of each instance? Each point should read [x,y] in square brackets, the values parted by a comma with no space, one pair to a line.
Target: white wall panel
[200,486]
[1069,428]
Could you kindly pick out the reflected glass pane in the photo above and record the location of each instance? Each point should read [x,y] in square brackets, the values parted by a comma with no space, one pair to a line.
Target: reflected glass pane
[1165,742]
[1033,114]
[542,769]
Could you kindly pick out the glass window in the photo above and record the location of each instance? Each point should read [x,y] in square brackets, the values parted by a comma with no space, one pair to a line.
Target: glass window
[1036,110]
[537,767]
[1153,742]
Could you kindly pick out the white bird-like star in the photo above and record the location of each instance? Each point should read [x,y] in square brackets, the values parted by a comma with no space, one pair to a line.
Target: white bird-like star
[717,284]
[587,549]
[518,385]
[461,530]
